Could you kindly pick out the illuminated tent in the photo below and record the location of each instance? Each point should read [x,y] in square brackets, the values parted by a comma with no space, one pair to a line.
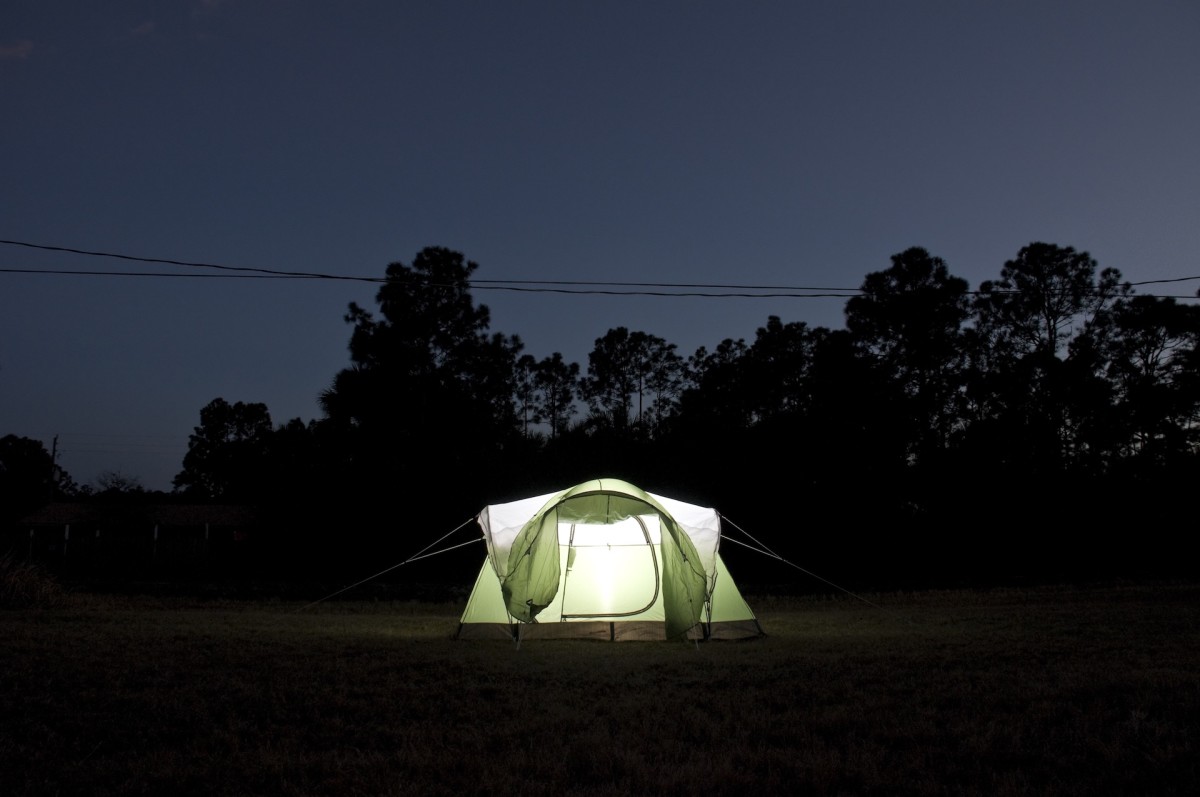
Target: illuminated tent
[604,560]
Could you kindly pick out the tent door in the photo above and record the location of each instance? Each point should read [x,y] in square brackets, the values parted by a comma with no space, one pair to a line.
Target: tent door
[610,580]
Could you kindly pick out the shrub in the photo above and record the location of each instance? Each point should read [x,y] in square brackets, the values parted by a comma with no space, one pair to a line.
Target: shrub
[25,585]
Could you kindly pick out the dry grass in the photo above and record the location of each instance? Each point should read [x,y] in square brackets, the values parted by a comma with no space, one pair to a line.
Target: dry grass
[1047,692]
[24,585]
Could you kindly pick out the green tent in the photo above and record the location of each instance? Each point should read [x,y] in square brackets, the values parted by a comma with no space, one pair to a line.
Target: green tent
[604,560]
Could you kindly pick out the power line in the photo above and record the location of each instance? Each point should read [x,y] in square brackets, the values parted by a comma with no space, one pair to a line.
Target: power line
[82,272]
[525,286]
[274,273]
[186,263]
[571,287]
[245,272]
[515,286]
[1157,282]
[488,285]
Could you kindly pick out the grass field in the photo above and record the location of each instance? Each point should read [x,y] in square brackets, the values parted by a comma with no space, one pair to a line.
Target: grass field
[1049,691]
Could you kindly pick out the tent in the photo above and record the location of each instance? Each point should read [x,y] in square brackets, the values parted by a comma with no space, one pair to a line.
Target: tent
[604,560]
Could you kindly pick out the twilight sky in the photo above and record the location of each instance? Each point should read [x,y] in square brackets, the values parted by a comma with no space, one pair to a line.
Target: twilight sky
[796,144]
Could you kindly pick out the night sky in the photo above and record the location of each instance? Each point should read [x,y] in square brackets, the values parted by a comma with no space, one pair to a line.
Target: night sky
[789,144]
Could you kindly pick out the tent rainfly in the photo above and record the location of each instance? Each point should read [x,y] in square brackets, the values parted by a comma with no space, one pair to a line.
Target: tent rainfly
[604,560]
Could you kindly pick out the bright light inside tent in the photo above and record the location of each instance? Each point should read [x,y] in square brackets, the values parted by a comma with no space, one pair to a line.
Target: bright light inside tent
[611,569]
[606,576]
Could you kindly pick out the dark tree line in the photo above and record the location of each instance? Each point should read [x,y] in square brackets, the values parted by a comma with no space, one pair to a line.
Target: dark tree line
[1001,432]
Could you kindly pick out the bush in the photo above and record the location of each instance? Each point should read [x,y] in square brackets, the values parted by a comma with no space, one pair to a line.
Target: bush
[25,585]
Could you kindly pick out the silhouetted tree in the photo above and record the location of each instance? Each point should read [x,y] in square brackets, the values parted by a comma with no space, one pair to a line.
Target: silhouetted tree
[633,379]
[227,453]
[1049,301]
[301,461]
[744,412]
[429,394]
[715,395]
[556,385]
[855,424]
[779,368]
[29,476]
[910,320]
[525,391]
[114,482]
[1151,359]
[1045,296]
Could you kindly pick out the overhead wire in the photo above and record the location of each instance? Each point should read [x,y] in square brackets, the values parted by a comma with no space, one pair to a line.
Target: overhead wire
[174,262]
[570,287]
[479,285]
[83,273]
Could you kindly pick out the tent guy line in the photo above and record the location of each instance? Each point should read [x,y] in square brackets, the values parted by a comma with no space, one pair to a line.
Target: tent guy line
[765,551]
[802,570]
[421,554]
